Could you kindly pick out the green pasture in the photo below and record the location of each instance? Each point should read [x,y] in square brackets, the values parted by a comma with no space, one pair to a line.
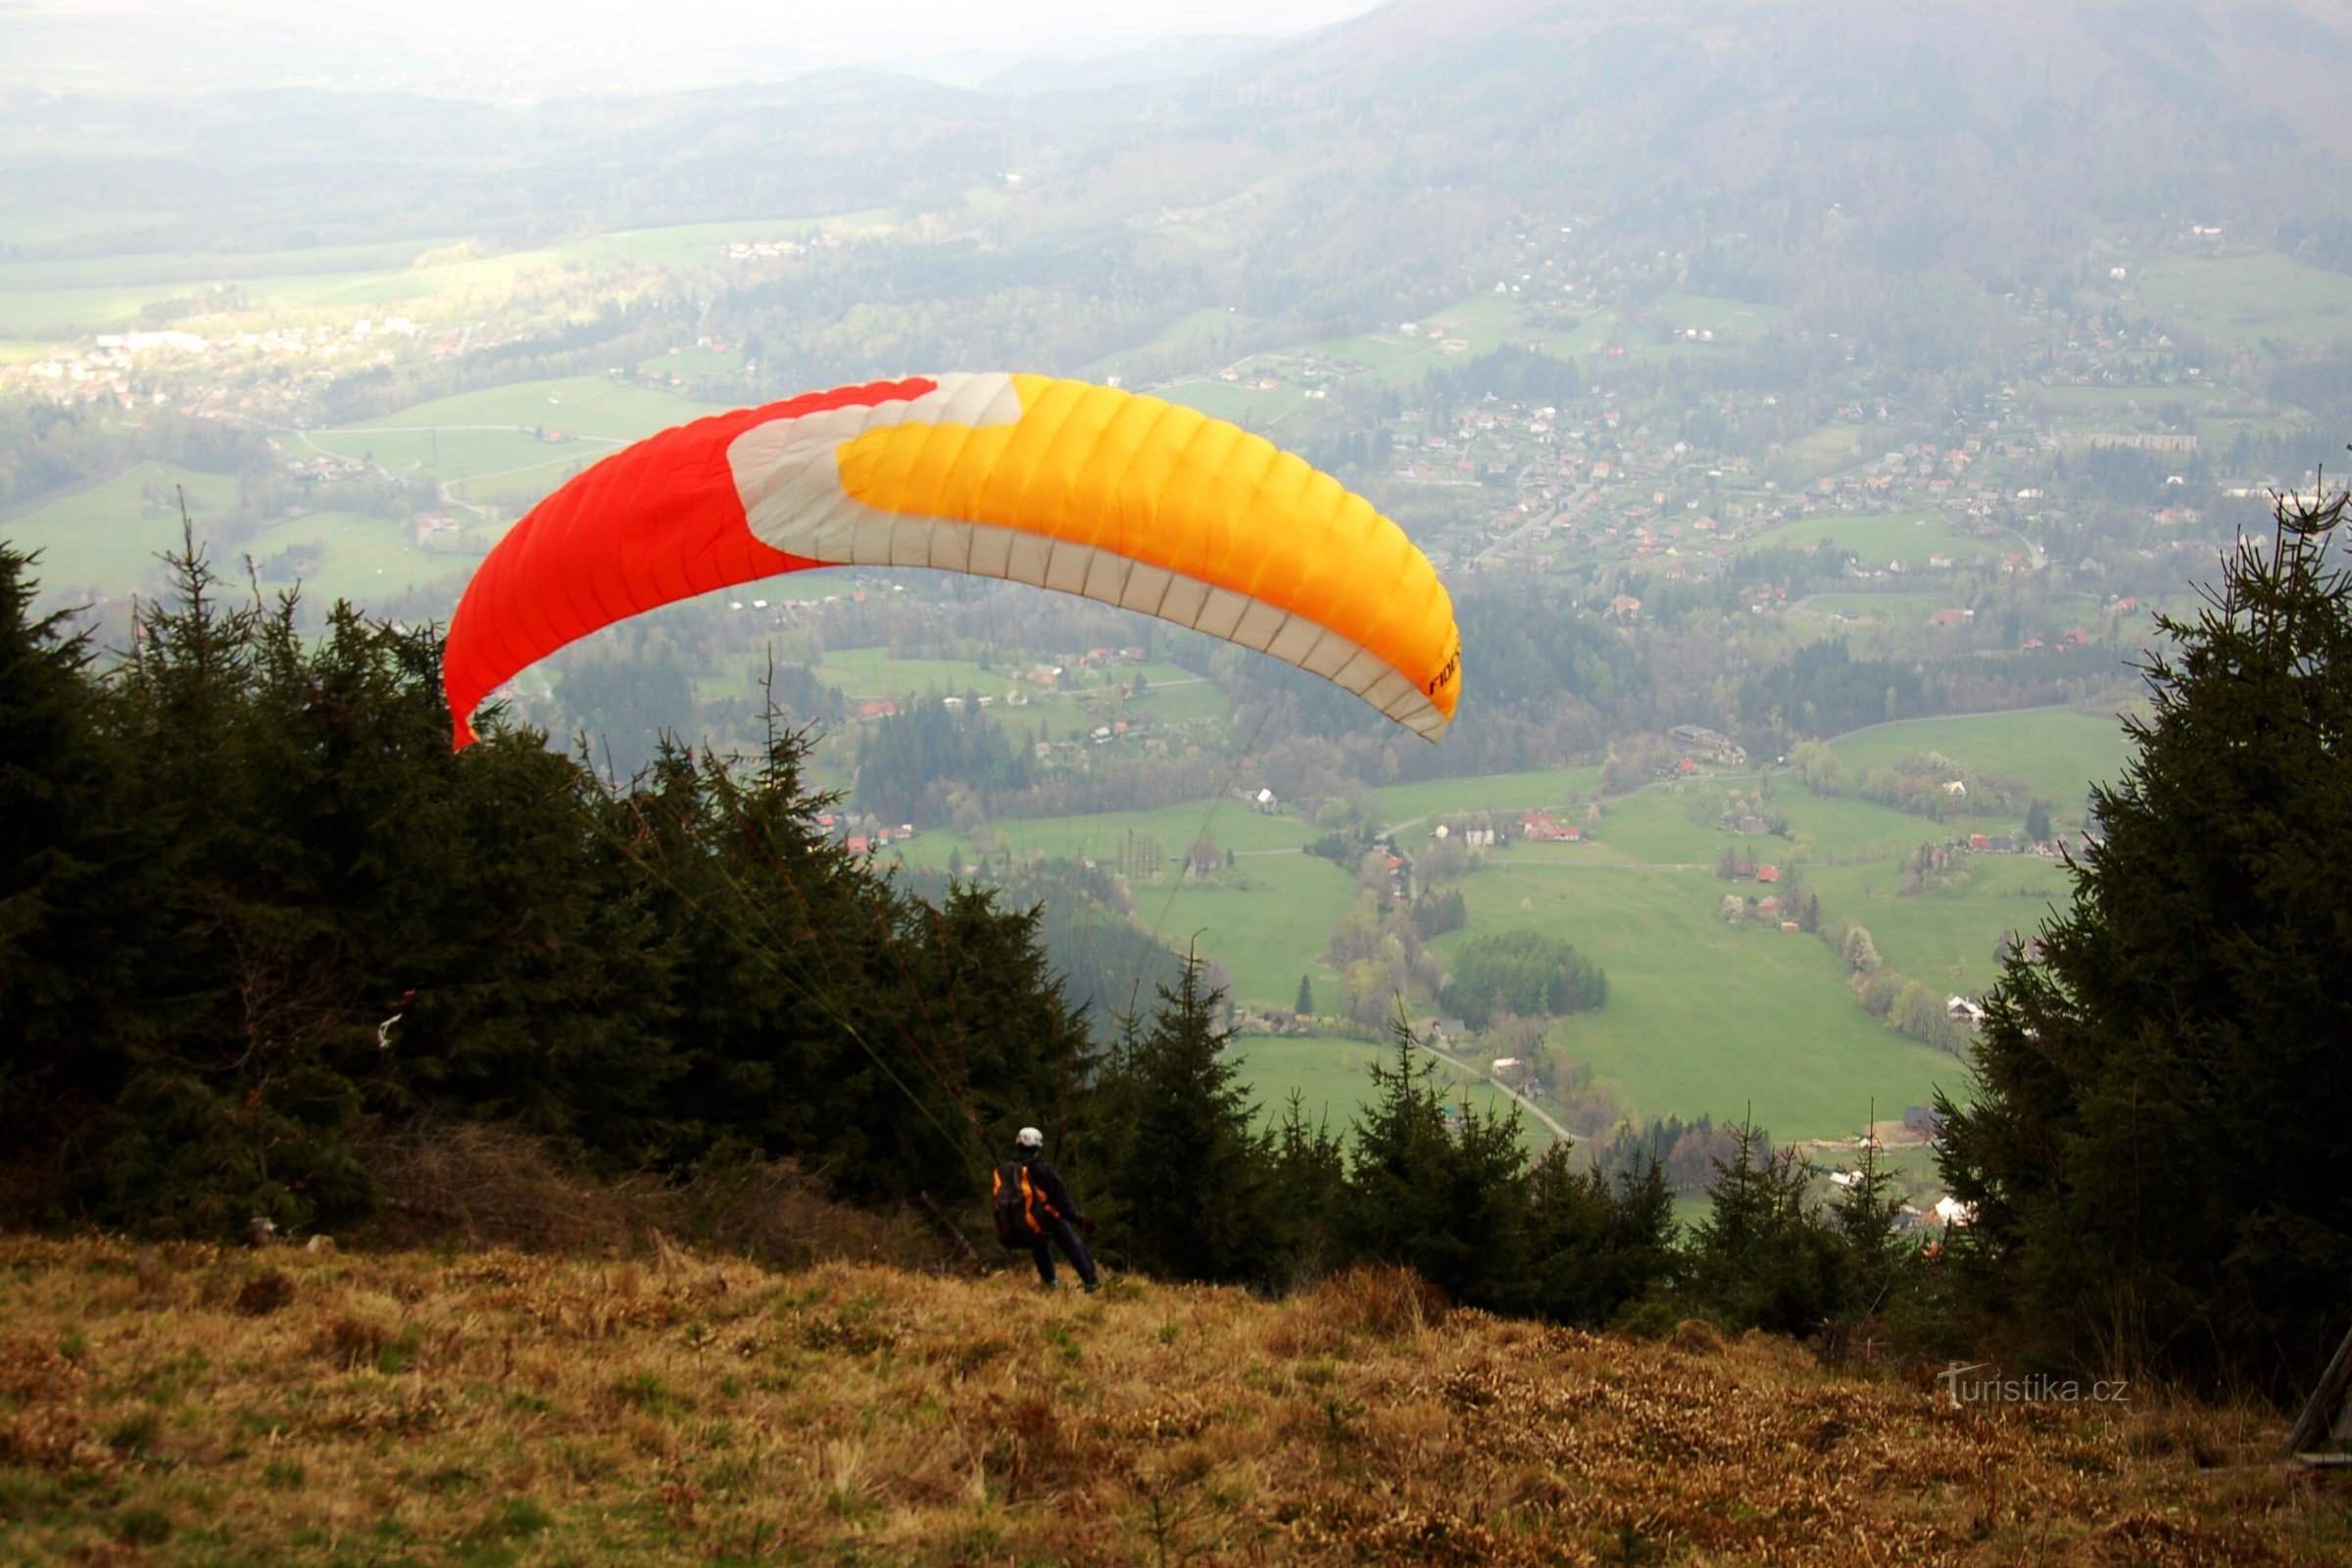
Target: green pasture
[1944,939]
[1703,1016]
[1542,790]
[2059,751]
[586,406]
[104,537]
[1823,451]
[1267,920]
[1333,1079]
[1735,321]
[193,272]
[872,672]
[352,557]
[1911,538]
[1234,402]
[2216,431]
[57,315]
[1374,351]
[1849,828]
[1881,609]
[2113,402]
[474,460]
[1652,827]
[2265,303]
[1229,822]
[699,244]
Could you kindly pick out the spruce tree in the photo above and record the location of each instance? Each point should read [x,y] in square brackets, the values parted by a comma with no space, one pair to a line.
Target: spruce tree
[67,857]
[1440,1189]
[1187,1176]
[2156,1148]
[1762,1257]
[1593,1250]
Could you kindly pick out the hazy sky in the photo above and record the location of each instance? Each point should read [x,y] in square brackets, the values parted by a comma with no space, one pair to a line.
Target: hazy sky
[906,34]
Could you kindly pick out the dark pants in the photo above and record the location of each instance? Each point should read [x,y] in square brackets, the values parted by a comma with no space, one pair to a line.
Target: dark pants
[1061,1232]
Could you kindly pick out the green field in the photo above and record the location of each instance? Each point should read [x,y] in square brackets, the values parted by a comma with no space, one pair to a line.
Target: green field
[350,556]
[1172,694]
[578,405]
[1910,538]
[1944,939]
[1234,402]
[2266,303]
[494,445]
[513,460]
[2058,751]
[1545,789]
[1266,921]
[1703,1016]
[1902,609]
[1731,321]
[106,538]
[1333,1079]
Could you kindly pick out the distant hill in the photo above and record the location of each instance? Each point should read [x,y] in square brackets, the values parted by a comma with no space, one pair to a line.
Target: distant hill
[1168,60]
[1981,134]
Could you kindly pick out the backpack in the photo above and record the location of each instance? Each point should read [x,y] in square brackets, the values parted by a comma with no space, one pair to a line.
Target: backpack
[1016,1203]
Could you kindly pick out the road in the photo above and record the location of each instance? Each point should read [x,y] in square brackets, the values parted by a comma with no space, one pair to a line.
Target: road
[1525,1104]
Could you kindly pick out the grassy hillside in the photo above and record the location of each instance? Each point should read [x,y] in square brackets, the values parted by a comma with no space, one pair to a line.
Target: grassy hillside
[190,1407]
[1704,1017]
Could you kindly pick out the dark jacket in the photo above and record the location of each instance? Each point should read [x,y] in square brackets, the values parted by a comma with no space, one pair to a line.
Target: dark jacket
[1048,1182]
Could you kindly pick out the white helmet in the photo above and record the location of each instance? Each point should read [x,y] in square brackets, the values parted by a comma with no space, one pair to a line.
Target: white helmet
[1028,1138]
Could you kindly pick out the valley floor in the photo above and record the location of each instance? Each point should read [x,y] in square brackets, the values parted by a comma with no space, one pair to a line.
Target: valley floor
[191,1406]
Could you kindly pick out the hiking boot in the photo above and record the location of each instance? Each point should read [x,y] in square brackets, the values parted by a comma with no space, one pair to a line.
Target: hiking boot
[1048,1285]
[1092,1286]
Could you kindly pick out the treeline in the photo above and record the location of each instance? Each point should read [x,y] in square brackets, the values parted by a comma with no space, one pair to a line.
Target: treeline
[46,446]
[1824,690]
[2156,1145]
[1510,373]
[1190,1186]
[909,762]
[1085,920]
[1527,974]
[250,902]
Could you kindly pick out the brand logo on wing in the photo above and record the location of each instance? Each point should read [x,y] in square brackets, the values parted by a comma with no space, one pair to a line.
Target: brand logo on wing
[1446,675]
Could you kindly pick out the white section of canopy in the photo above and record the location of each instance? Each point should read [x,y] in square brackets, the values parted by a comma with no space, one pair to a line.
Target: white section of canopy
[790,482]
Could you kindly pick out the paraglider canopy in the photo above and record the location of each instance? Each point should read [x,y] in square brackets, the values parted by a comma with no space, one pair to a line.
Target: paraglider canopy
[1117,496]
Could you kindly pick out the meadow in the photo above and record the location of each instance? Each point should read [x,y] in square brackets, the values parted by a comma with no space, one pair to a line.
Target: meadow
[1944,939]
[1333,1080]
[2060,751]
[188,1405]
[1910,538]
[2268,304]
[1703,1016]
[105,536]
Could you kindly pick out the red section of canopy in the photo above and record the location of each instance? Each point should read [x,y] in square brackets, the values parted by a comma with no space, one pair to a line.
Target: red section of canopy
[651,524]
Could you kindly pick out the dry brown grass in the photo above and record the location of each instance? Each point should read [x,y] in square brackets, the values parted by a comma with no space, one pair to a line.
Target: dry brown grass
[159,1405]
[480,1184]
